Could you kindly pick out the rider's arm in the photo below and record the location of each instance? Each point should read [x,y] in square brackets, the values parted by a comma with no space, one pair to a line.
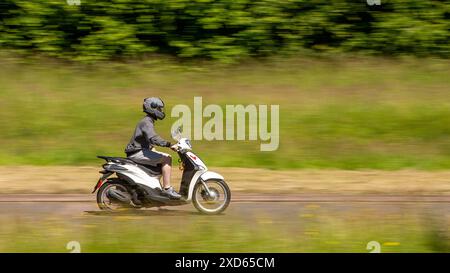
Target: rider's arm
[159,141]
[153,137]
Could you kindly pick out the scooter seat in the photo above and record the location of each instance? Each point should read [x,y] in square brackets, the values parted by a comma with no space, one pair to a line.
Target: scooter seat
[150,169]
[121,160]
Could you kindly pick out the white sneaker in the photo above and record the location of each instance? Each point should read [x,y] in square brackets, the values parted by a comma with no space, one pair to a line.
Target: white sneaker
[171,193]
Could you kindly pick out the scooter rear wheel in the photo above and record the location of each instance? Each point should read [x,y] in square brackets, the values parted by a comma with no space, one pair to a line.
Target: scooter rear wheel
[106,203]
[211,204]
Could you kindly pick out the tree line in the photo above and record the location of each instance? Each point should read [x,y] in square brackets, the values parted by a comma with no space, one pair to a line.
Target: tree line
[91,30]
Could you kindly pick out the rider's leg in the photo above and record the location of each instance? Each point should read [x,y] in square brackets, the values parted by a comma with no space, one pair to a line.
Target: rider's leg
[166,170]
[153,157]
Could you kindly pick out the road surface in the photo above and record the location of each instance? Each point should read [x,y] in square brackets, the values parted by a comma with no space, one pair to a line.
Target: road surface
[286,223]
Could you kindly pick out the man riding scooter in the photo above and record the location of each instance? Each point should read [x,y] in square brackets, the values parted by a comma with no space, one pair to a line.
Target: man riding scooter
[141,149]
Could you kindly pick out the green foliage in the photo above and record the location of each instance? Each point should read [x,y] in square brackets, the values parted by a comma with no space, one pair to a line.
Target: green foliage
[226,30]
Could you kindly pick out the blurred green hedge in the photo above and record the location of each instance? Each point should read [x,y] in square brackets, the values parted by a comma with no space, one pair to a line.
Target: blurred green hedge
[223,29]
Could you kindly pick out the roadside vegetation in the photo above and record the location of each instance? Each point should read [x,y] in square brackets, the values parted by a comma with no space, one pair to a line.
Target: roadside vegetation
[347,112]
[311,228]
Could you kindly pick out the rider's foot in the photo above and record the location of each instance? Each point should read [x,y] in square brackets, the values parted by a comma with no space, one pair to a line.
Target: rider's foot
[171,193]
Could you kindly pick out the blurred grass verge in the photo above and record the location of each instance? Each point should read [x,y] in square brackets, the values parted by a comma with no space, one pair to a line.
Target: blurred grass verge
[313,229]
[342,112]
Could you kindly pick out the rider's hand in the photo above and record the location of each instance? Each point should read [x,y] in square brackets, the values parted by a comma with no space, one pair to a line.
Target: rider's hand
[174,147]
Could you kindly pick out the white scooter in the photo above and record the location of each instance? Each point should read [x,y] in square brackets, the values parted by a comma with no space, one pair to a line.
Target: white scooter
[138,186]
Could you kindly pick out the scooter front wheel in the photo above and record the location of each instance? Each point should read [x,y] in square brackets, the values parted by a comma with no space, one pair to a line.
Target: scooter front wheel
[213,200]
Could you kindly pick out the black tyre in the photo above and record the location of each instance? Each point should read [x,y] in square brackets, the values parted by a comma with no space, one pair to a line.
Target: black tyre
[211,204]
[103,201]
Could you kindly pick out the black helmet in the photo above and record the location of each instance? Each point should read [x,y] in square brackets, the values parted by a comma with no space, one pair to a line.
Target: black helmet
[154,107]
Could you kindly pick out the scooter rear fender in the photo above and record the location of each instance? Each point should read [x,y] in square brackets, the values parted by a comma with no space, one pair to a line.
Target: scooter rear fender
[102,180]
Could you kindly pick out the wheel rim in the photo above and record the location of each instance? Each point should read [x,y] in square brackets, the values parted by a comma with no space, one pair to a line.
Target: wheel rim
[110,203]
[211,203]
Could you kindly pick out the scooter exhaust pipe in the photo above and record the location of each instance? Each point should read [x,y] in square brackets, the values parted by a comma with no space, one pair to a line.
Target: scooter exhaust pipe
[119,195]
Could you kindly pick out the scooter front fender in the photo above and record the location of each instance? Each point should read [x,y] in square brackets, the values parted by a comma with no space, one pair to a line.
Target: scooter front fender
[211,175]
[202,175]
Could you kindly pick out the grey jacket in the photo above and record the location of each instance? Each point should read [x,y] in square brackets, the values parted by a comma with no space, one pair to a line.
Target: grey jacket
[145,137]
